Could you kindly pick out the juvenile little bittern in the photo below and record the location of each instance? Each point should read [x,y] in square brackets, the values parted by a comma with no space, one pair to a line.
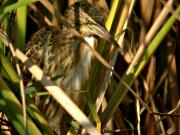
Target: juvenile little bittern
[58,52]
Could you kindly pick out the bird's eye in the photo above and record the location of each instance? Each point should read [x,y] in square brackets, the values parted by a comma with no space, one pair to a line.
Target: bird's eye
[88,21]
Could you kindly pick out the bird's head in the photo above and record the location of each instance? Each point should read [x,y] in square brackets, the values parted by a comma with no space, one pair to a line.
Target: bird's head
[88,21]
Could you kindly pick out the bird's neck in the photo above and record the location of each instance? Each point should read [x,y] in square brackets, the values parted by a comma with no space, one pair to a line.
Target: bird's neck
[86,57]
[81,72]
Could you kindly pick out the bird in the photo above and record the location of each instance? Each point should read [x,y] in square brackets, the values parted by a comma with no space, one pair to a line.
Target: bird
[61,53]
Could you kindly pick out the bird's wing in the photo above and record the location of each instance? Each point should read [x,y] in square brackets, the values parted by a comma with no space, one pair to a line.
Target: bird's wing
[39,44]
[54,50]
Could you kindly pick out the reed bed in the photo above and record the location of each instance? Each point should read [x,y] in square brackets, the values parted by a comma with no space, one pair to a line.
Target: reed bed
[137,93]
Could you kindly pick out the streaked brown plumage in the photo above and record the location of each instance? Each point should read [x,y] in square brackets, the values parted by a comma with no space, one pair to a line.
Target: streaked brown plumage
[60,53]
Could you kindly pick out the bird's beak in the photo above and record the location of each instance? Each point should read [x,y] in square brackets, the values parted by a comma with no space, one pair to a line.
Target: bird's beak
[103,33]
